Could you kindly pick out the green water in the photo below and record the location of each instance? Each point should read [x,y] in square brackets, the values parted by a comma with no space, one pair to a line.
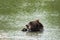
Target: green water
[15,14]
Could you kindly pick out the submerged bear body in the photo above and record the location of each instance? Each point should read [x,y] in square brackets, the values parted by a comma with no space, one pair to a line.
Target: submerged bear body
[33,26]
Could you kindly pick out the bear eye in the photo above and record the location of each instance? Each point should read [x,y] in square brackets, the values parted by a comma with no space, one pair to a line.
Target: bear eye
[27,26]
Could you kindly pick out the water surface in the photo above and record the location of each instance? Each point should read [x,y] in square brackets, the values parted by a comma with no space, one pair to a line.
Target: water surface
[15,14]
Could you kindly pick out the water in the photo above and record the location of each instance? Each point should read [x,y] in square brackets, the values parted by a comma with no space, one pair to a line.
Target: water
[15,14]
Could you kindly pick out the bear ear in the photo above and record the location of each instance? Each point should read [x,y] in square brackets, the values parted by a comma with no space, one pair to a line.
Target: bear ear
[30,23]
[37,20]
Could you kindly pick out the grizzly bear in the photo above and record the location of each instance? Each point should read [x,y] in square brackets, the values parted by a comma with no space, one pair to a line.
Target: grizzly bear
[33,26]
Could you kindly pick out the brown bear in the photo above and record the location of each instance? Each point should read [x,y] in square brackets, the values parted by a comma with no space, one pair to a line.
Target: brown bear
[33,26]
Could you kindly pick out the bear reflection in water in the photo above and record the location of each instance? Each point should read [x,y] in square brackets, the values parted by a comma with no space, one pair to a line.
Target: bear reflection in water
[33,26]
